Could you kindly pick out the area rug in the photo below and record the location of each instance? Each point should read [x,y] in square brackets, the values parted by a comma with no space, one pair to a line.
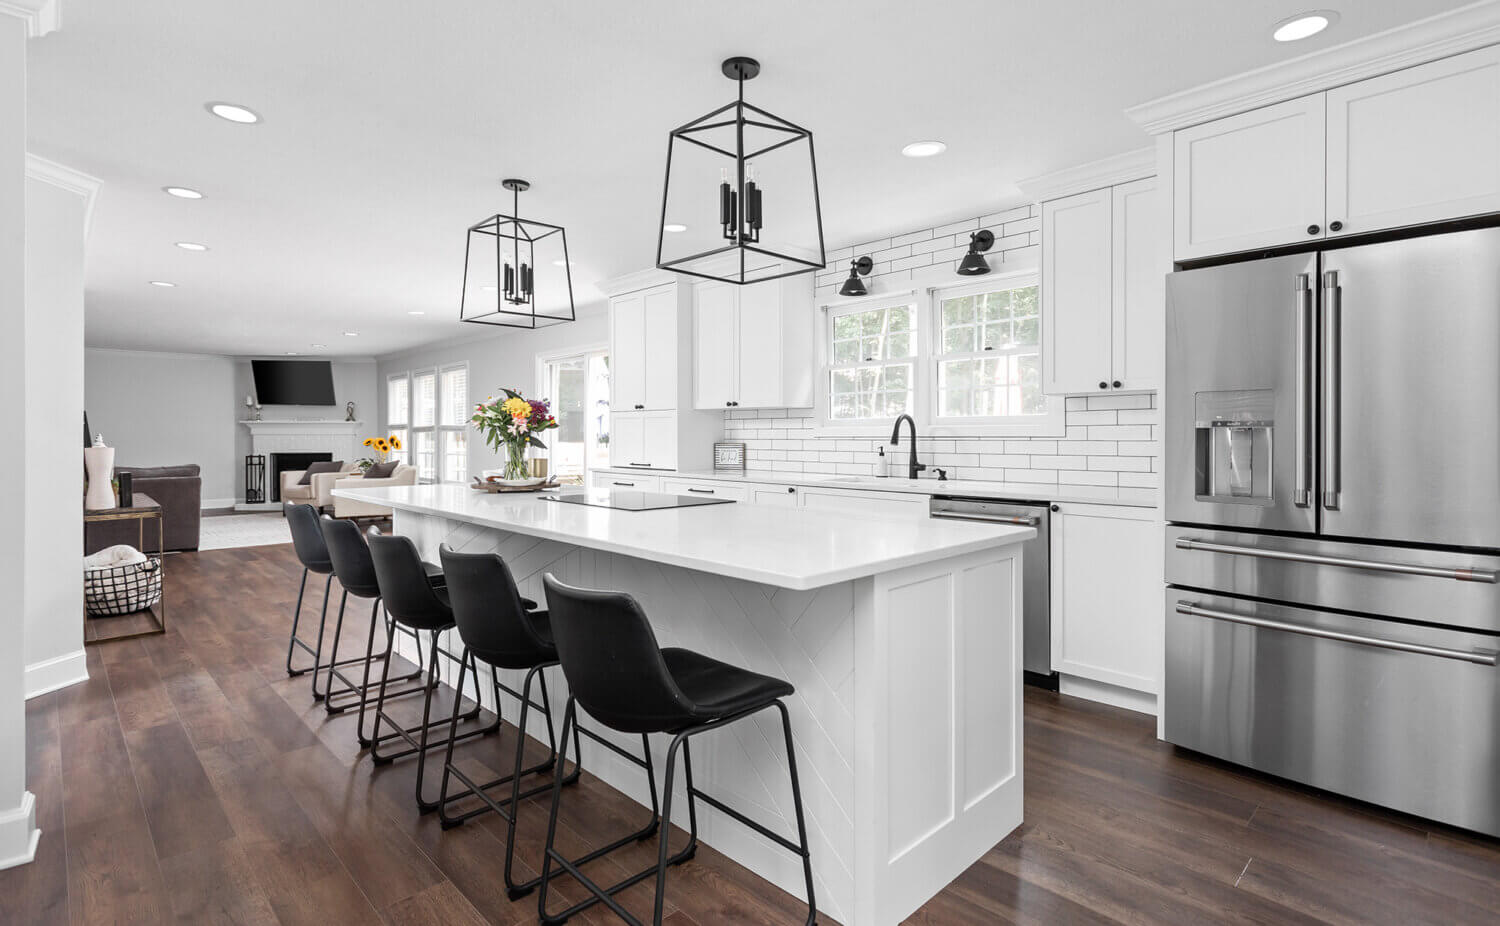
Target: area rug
[225,532]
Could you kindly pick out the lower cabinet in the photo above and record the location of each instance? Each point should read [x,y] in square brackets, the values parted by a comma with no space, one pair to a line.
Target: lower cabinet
[878,504]
[643,439]
[783,496]
[1107,571]
[690,487]
[639,482]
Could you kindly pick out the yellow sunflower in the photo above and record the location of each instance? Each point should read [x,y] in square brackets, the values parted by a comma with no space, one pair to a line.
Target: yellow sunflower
[395,442]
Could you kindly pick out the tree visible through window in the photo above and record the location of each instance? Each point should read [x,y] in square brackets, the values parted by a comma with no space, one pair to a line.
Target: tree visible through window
[872,369]
[989,355]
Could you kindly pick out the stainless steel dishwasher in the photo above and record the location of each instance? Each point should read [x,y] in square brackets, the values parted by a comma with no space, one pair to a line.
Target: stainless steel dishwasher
[1036,578]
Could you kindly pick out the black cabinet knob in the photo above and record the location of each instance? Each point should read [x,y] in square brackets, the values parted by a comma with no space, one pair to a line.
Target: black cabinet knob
[728,403]
[1117,384]
[640,406]
[1335,226]
[1312,229]
[1103,384]
[791,488]
[1056,508]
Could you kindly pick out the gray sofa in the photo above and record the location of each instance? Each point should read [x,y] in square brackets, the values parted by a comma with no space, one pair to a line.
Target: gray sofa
[179,490]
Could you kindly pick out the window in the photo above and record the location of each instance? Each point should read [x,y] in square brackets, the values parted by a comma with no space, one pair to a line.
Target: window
[872,352]
[961,360]
[577,386]
[428,410]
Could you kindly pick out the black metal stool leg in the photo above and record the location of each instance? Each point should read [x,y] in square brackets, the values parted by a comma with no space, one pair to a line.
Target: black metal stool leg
[336,702]
[292,641]
[791,764]
[318,653]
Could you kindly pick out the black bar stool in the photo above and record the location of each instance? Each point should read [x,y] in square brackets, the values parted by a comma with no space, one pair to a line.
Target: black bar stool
[505,631]
[356,573]
[625,680]
[413,602]
[307,541]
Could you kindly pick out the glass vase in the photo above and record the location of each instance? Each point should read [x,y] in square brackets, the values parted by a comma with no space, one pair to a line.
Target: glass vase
[515,462]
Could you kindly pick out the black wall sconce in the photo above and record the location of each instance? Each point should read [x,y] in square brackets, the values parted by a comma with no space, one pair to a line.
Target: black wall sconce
[859,267]
[974,264]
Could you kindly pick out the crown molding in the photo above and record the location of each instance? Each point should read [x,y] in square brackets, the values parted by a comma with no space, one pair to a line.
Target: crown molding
[639,280]
[1119,168]
[1454,32]
[40,16]
[66,178]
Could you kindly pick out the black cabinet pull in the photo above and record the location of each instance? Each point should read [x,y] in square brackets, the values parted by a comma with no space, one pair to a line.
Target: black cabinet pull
[624,483]
[640,406]
[791,488]
[1335,225]
[1116,384]
[728,403]
[1312,229]
[1103,384]
[1056,508]
[701,491]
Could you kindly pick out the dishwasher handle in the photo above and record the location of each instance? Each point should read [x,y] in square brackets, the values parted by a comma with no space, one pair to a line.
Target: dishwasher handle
[1477,657]
[1022,520]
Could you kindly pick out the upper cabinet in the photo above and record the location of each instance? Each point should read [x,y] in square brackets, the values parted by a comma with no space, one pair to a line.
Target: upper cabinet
[1415,146]
[753,345]
[643,328]
[1250,181]
[1103,265]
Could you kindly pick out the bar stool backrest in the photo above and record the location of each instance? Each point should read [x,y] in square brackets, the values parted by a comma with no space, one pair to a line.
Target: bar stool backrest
[487,608]
[351,557]
[404,589]
[612,661]
[307,538]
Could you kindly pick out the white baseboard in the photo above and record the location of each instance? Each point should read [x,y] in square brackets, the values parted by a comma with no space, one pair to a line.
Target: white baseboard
[57,672]
[1141,702]
[18,833]
[211,503]
[257,506]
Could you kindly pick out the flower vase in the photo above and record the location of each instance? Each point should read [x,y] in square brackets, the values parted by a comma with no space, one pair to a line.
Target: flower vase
[515,463]
[100,464]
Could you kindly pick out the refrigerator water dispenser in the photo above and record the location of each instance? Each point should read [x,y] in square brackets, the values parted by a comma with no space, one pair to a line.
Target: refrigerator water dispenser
[1234,432]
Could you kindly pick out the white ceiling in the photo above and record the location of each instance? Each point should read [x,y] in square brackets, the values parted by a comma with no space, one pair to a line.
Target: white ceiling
[389,124]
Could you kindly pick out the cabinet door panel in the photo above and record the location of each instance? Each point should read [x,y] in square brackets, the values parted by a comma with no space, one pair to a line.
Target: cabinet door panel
[1076,281]
[1106,589]
[714,345]
[659,434]
[1139,293]
[781,496]
[628,359]
[628,481]
[1419,145]
[627,438]
[758,331]
[1250,181]
[691,487]
[659,357]
[872,504]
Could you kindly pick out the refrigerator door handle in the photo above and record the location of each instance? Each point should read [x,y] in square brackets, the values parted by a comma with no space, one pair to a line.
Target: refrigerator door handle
[1478,657]
[1487,576]
[1332,310]
[1302,486]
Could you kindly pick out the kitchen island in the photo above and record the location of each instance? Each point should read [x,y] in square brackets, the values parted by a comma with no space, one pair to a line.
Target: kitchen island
[902,637]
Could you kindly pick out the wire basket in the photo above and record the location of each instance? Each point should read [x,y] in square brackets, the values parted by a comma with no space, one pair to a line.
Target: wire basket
[116,590]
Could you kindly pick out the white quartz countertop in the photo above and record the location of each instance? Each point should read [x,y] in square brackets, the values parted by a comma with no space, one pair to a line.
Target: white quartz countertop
[973,488]
[787,547]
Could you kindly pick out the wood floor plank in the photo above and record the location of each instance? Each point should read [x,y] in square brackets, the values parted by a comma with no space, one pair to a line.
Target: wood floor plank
[38,893]
[214,885]
[113,877]
[442,904]
[181,806]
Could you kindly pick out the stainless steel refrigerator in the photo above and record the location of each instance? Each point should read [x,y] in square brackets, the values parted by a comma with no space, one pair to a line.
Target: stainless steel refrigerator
[1332,487]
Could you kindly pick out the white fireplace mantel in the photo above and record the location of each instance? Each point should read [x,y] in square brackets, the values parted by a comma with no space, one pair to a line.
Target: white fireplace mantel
[268,437]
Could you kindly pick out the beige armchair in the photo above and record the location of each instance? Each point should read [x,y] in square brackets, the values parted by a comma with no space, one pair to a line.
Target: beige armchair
[318,492]
[405,475]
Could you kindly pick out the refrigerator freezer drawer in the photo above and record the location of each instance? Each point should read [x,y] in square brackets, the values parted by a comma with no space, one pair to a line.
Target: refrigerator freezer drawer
[1401,716]
[1452,589]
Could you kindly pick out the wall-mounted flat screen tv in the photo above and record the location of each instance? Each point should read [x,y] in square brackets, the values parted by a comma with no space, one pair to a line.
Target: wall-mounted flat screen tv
[293,382]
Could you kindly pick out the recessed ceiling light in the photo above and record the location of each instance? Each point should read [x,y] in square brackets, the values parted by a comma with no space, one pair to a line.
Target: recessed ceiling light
[319,346]
[416,312]
[192,246]
[674,227]
[163,283]
[351,334]
[290,353]
[233,112]
[488,289]
[1304,25]
[182,192]
[924,149]
[562,263]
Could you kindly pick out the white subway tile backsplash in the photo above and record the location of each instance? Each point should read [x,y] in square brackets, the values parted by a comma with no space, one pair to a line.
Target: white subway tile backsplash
[1118,431]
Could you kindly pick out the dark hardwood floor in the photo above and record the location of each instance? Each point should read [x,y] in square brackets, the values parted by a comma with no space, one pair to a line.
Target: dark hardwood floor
[189,780]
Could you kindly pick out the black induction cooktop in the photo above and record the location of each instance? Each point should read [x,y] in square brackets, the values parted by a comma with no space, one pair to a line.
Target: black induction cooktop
[633,501]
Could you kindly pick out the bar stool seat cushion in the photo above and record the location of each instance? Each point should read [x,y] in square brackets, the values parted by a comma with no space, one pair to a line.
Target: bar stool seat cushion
[717,689]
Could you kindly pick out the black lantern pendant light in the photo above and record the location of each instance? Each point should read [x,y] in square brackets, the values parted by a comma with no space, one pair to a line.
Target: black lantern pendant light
[516,271]
[741,194]
[974,264]
[854,286]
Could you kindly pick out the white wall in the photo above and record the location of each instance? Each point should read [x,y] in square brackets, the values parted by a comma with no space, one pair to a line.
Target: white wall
[497,357]
[52,597]
[160,409]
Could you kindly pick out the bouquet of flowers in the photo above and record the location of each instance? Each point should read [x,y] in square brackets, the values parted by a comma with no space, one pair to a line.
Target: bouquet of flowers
[513,423]
[382,447]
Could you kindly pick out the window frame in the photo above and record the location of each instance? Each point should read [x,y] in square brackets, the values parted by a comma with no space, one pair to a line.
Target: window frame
[928,306]
[392,425]
[411,429]
[442,428]
[587,351]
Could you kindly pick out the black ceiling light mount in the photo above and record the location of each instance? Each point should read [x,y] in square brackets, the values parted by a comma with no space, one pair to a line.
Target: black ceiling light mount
[744,181]
[854,286]
[974,264]
[516,271]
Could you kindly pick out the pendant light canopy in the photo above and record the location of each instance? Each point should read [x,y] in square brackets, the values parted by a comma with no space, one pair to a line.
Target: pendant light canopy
[974,264]
[516,271]
[744,182]
[854,286]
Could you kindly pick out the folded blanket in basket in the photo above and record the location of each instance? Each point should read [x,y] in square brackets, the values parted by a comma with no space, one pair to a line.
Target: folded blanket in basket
[119,555]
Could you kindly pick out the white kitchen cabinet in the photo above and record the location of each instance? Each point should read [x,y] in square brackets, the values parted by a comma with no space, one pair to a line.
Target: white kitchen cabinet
[643,439]
[643,359]
[706,488]
[871,503]
[1415,146]
[1077,276]
[778,495]
[627,361]
[1250,181]
[1103,290]
[1107,574]
[753,345]
[637,482]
